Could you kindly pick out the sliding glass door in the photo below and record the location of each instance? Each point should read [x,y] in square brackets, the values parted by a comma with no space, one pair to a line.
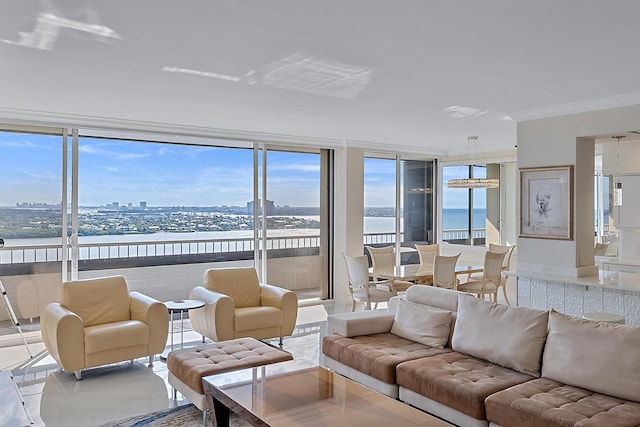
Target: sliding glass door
[31,217]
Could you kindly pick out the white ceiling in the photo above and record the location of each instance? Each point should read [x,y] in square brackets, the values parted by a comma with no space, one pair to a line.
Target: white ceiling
[422,75]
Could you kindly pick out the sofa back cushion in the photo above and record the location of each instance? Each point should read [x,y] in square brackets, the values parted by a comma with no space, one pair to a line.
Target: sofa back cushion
[416,322]
[597,356]
[437,298]
[241,284]
[98,301]
[512,337]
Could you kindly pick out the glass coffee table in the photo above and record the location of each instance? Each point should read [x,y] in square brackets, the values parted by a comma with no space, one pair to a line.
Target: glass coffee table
[298,392]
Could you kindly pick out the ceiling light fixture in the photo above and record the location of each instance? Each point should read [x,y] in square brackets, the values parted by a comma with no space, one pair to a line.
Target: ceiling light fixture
[473,146]
[617,187]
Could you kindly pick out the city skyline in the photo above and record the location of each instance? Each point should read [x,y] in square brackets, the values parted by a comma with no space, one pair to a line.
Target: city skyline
[177,175]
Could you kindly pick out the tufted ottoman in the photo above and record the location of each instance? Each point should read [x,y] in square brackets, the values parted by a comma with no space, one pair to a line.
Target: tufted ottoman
[187,366]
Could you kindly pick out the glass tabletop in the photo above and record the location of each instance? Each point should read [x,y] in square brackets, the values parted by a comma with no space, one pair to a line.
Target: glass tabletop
[183,305]
[301,393]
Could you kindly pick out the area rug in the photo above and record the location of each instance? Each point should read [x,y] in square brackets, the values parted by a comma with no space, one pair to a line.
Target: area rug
[183,416]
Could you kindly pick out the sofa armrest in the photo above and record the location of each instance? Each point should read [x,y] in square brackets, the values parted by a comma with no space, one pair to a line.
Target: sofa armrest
[153,313]
[63,335]
[216,320]
[360,323]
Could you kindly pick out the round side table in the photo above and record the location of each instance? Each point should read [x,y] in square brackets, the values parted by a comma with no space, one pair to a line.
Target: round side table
[179,306]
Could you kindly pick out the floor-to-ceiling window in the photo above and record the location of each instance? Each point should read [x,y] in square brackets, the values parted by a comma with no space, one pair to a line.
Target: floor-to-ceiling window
[295,234]
[463,209]
[30,219]
[379,201]
[159,210]
[399,204]
[162,213]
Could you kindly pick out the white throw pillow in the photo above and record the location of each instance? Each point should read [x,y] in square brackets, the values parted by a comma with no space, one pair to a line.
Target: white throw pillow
[417,323]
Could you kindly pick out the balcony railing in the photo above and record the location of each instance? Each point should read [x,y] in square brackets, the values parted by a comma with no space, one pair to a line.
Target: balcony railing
[115,250]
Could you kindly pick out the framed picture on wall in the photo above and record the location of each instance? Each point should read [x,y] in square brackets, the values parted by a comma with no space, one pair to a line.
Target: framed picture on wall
[546,202]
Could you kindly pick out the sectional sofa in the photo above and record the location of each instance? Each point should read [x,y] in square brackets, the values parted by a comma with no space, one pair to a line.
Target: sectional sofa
[476,363]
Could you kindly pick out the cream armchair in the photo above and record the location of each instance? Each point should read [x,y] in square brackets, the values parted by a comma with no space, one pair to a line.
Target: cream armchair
[98,321]
[237,305]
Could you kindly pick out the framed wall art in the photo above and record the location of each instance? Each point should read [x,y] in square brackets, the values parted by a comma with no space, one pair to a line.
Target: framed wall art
[546,202]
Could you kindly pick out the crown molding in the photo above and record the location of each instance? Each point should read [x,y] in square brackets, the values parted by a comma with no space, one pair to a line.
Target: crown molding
[578,107]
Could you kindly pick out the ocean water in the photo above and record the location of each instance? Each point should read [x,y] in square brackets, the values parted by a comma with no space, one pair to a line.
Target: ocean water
[453,219]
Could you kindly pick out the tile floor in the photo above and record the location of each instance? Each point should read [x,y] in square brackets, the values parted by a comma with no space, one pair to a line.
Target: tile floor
[123,390]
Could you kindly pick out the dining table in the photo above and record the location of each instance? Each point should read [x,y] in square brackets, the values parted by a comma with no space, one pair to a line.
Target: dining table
[419,273]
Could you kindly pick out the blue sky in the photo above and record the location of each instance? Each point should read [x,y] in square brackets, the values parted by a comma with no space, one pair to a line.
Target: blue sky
[379,185]
[176,175]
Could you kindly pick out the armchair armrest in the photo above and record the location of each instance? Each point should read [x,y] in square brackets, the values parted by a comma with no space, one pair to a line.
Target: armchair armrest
[153,313]
[360,323]
[63,336]
[216,320]
[285,300]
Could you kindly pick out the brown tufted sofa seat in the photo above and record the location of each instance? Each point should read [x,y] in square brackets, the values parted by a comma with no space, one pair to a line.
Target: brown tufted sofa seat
[376,355]
[456,380]
[500,366]
[544,402]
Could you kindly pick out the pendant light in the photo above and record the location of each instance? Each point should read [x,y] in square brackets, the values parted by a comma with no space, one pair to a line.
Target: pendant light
[617,186]
[473,147]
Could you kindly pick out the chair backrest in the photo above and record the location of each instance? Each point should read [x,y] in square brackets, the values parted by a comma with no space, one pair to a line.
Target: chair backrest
[382,257]
[492,271]
[601,249]
[241,284]
[98,301]
[444,271]
[427,252]
[358,270]
[508,250]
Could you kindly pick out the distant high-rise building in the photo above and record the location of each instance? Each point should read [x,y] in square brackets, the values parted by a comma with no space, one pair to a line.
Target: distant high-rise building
[129,205]
[270,207]
[115,204]
[143,205]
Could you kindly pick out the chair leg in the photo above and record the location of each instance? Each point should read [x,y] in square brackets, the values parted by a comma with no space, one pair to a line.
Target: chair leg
[151,357]
[78,374]
[504,292]
[353,305]
[203,339]
[205,417]
[280,343]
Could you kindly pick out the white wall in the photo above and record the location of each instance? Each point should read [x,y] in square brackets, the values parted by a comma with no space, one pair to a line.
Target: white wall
[568,140]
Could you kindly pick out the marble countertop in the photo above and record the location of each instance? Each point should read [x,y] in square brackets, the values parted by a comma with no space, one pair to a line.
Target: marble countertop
[607,279]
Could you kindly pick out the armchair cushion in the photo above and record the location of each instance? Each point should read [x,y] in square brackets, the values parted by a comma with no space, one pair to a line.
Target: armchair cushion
[241,284]
[105,337]
[249,318]
[106,300]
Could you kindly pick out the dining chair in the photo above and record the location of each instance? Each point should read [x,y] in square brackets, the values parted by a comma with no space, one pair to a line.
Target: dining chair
[601,249]
[444,271]
[361,288]
[491,278]
[506,264]
[381,259]
[508,250]
[427,252]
